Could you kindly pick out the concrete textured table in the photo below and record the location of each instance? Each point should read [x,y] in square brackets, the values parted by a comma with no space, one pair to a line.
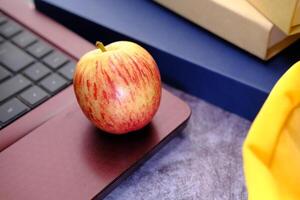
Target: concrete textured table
[202,162]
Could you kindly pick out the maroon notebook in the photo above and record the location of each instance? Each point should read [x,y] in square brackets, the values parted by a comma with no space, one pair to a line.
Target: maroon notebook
[54,152]
[68,158]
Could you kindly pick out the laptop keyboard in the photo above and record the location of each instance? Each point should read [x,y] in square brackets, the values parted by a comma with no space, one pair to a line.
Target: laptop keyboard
[31,70]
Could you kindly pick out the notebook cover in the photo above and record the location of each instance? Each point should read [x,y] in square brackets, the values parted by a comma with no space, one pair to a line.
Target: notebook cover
[235,21]
[215,70]
[284,14]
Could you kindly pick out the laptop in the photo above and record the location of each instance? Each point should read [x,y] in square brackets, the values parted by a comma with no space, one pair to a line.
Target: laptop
[48,149]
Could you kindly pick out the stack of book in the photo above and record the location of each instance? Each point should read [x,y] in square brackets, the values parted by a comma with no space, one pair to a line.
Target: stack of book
[188,56]
[261,27]
[284,14]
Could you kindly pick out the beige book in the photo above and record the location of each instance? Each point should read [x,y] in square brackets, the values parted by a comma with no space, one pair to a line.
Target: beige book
[283,13]
[236,21]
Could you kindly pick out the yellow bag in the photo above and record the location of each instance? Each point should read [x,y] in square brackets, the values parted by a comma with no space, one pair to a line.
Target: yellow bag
[272,148]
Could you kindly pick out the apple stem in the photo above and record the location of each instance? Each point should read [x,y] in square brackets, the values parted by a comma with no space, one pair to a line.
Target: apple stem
[100,46]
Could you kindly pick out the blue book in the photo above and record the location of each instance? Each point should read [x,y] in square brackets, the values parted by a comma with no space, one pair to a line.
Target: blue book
[189,57]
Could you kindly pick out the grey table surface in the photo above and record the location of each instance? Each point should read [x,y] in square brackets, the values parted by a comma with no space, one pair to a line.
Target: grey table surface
[204,161]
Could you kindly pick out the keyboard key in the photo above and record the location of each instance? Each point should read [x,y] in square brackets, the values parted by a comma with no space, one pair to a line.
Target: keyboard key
[53,83]
[13,57]
[55,59]
[9,29]
[39,49]
[3,19]
[34,96]
[37,71]
[68,70]
[13,86]
[11,110]
[4,73]
[24,39]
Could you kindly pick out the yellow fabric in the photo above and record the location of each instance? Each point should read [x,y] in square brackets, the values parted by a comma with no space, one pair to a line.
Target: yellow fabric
[271,150]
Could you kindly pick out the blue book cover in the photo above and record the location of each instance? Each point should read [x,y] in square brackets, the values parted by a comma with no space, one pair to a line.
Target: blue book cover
[189,57]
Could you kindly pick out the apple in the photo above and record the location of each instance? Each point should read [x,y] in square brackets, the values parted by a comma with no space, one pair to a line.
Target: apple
[118,86]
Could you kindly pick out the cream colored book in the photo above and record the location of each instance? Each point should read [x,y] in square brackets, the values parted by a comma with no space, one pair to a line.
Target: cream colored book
[283,13]
[236,21]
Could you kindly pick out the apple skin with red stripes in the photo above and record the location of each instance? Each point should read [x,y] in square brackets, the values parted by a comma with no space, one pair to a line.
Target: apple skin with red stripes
[118,87]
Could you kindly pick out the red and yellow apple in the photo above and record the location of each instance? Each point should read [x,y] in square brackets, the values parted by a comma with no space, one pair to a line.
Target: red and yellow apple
[118,86]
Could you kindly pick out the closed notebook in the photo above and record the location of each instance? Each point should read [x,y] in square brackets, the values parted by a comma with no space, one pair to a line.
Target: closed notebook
[236,21]
[283,13]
